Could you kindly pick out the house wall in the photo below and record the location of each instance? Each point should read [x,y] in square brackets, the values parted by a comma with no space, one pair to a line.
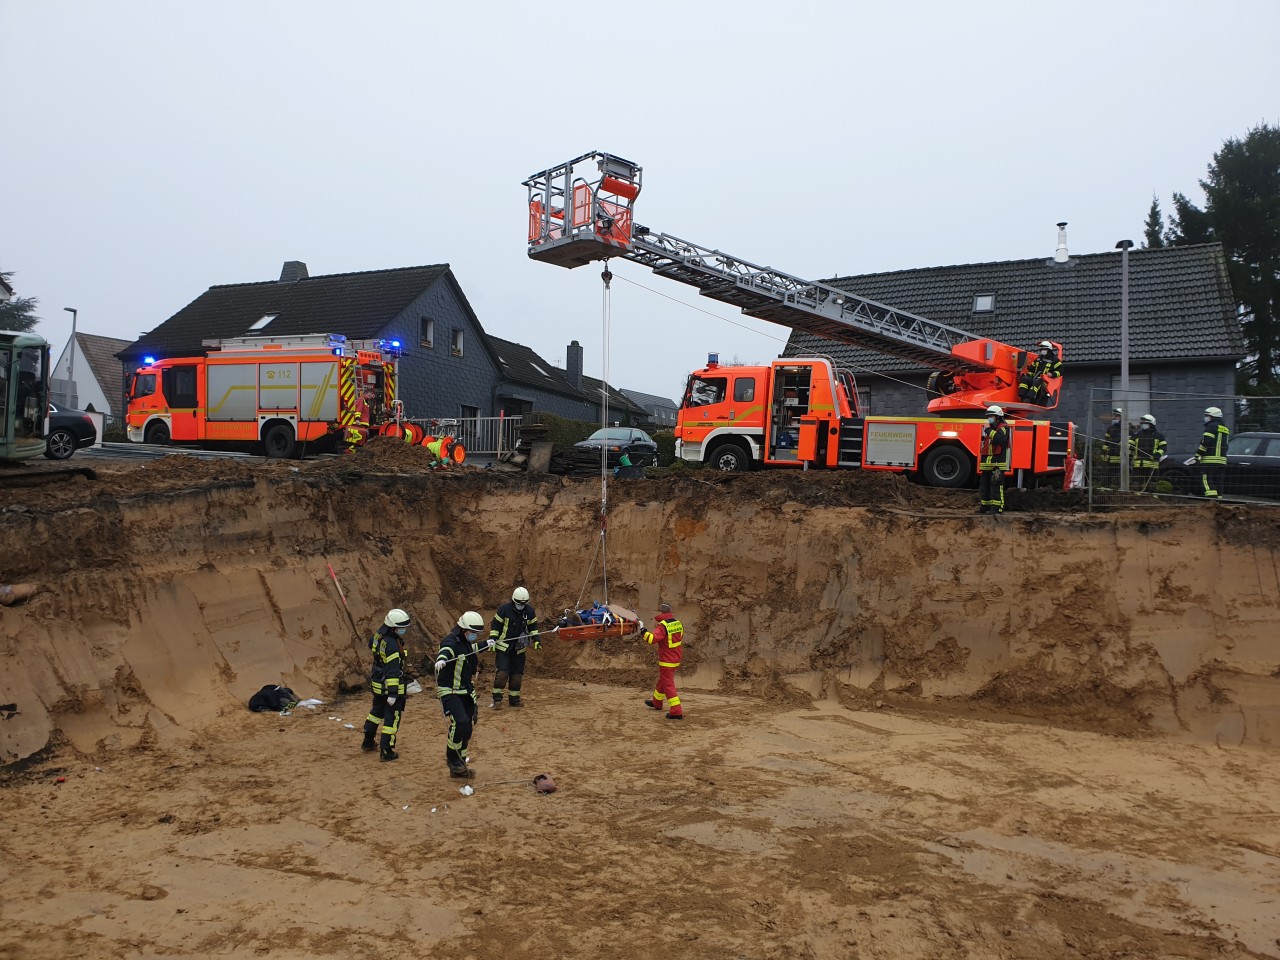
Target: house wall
[545,401]
[432,381]
[87,391]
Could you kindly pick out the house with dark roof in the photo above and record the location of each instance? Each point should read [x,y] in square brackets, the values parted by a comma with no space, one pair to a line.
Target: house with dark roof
[448,369]
[661,411]
[1184,336]
[527,382]
[99,376]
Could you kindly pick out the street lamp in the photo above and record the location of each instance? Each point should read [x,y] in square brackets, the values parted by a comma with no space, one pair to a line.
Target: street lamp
[71,361]
[1123,246]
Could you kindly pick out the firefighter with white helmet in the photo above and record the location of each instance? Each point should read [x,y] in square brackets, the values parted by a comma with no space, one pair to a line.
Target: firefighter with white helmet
[387,681]
[1146,451]
[455,668]
[993,461]
[513,630]
[1044,365]
[1212,452]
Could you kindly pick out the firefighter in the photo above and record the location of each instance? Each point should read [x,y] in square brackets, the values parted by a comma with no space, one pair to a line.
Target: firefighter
[1032,386]
[1109,458]
[1212,452]
[455,667]
[668,636]
[993,462]
[1146,451]
[387,680]
[514,628]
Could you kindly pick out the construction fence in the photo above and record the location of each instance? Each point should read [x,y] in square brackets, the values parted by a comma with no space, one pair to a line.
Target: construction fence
[1162,459]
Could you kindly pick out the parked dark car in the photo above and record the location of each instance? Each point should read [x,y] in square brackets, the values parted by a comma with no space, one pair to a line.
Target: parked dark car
[640,447]
[69,430]
[1253,468]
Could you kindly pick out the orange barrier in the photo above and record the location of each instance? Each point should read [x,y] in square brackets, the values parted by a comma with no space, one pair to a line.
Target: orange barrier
[620,188]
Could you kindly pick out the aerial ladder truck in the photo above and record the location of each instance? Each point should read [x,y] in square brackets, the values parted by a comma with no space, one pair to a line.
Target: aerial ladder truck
[802,411]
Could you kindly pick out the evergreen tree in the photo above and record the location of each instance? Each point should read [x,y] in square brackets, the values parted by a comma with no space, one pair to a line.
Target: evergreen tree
[1155,225]
[1242,210]
[19,313]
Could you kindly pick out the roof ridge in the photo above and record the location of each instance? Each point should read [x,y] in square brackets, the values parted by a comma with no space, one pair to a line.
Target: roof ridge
[330,276]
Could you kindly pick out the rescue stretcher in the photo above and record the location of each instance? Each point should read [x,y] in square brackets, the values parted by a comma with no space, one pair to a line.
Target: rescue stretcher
[621,623]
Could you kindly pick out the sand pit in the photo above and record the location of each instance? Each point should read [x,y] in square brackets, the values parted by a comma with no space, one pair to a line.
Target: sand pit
[911,732]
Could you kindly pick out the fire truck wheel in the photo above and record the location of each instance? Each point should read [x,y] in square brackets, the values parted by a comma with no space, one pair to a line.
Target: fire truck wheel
[947,466]
[279,441]
[158,433]
[729,457]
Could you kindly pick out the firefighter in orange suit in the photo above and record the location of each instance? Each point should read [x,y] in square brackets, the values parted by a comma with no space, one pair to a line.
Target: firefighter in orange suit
[668,636]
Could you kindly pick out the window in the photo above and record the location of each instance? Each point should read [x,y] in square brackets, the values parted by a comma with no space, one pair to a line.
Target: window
[744,389]
[457,343]
[1139,394]
[428,332]
[263,322]
[984,302]
[1245,446]
[704,391]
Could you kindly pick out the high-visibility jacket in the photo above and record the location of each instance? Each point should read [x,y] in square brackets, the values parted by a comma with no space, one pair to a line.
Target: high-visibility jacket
[1041,367]
[668,637]
[455,676]
[1213,445]
[995,448]
[387,675]
[1111,443]
[511,623]
[1147,448]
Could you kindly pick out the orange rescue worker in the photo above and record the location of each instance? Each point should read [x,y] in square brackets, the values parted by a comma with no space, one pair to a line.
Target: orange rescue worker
[668,636]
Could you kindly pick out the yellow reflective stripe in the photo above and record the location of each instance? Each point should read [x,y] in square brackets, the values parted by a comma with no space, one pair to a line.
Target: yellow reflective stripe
[676,643]
[663,663]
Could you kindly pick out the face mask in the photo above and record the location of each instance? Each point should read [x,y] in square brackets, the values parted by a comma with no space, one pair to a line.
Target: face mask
[401,631]
[1145,426]
[519,604]
[991,420]
[471,635]
[1208,419]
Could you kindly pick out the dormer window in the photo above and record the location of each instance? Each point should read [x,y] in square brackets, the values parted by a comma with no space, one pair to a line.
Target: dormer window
[263,322]
[984,303]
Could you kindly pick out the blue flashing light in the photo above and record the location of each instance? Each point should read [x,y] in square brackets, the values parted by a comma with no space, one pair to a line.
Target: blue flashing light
[713,359]
[336,351]
[148,361]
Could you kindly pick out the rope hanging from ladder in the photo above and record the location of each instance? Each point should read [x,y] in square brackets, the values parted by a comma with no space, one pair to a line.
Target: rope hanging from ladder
[601,550]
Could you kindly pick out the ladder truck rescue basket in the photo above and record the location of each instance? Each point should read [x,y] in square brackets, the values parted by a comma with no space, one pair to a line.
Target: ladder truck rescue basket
[596,192]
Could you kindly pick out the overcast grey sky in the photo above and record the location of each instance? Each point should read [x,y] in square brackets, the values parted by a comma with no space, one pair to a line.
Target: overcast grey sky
[153,149]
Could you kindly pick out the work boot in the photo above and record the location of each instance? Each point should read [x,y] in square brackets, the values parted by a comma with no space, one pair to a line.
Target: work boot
[675,716]
[497,702]
[651,705]
[460,771]
[368,746]
[984,509]
[388,755]
[514,702]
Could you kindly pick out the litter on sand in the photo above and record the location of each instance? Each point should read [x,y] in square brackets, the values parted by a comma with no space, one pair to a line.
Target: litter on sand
[349,726]
[467,791]
[311,704]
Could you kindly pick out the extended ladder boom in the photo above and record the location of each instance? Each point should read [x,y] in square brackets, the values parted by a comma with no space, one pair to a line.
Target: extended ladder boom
[578,215]
[806,305]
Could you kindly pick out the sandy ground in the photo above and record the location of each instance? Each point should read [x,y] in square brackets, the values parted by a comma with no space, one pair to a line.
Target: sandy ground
[911,732]
[747,830]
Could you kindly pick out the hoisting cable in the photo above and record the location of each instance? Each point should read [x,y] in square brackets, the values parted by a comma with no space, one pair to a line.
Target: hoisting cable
[606,276]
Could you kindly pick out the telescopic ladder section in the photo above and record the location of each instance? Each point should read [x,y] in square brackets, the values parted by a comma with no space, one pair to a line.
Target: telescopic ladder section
[581,211]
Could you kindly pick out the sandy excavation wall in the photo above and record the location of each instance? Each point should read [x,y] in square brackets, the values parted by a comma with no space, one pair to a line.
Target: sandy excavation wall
[159,610]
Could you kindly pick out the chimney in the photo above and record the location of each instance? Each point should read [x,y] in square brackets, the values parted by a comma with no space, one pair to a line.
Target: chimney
[1060,254]
[573,364]
[293,270]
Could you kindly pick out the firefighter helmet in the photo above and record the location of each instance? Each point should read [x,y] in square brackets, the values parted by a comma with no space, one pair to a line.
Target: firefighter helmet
[396,618]
[1148,418]
[995,410]
[1045,345]
[471,621]
[1214,412]
[519,595]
